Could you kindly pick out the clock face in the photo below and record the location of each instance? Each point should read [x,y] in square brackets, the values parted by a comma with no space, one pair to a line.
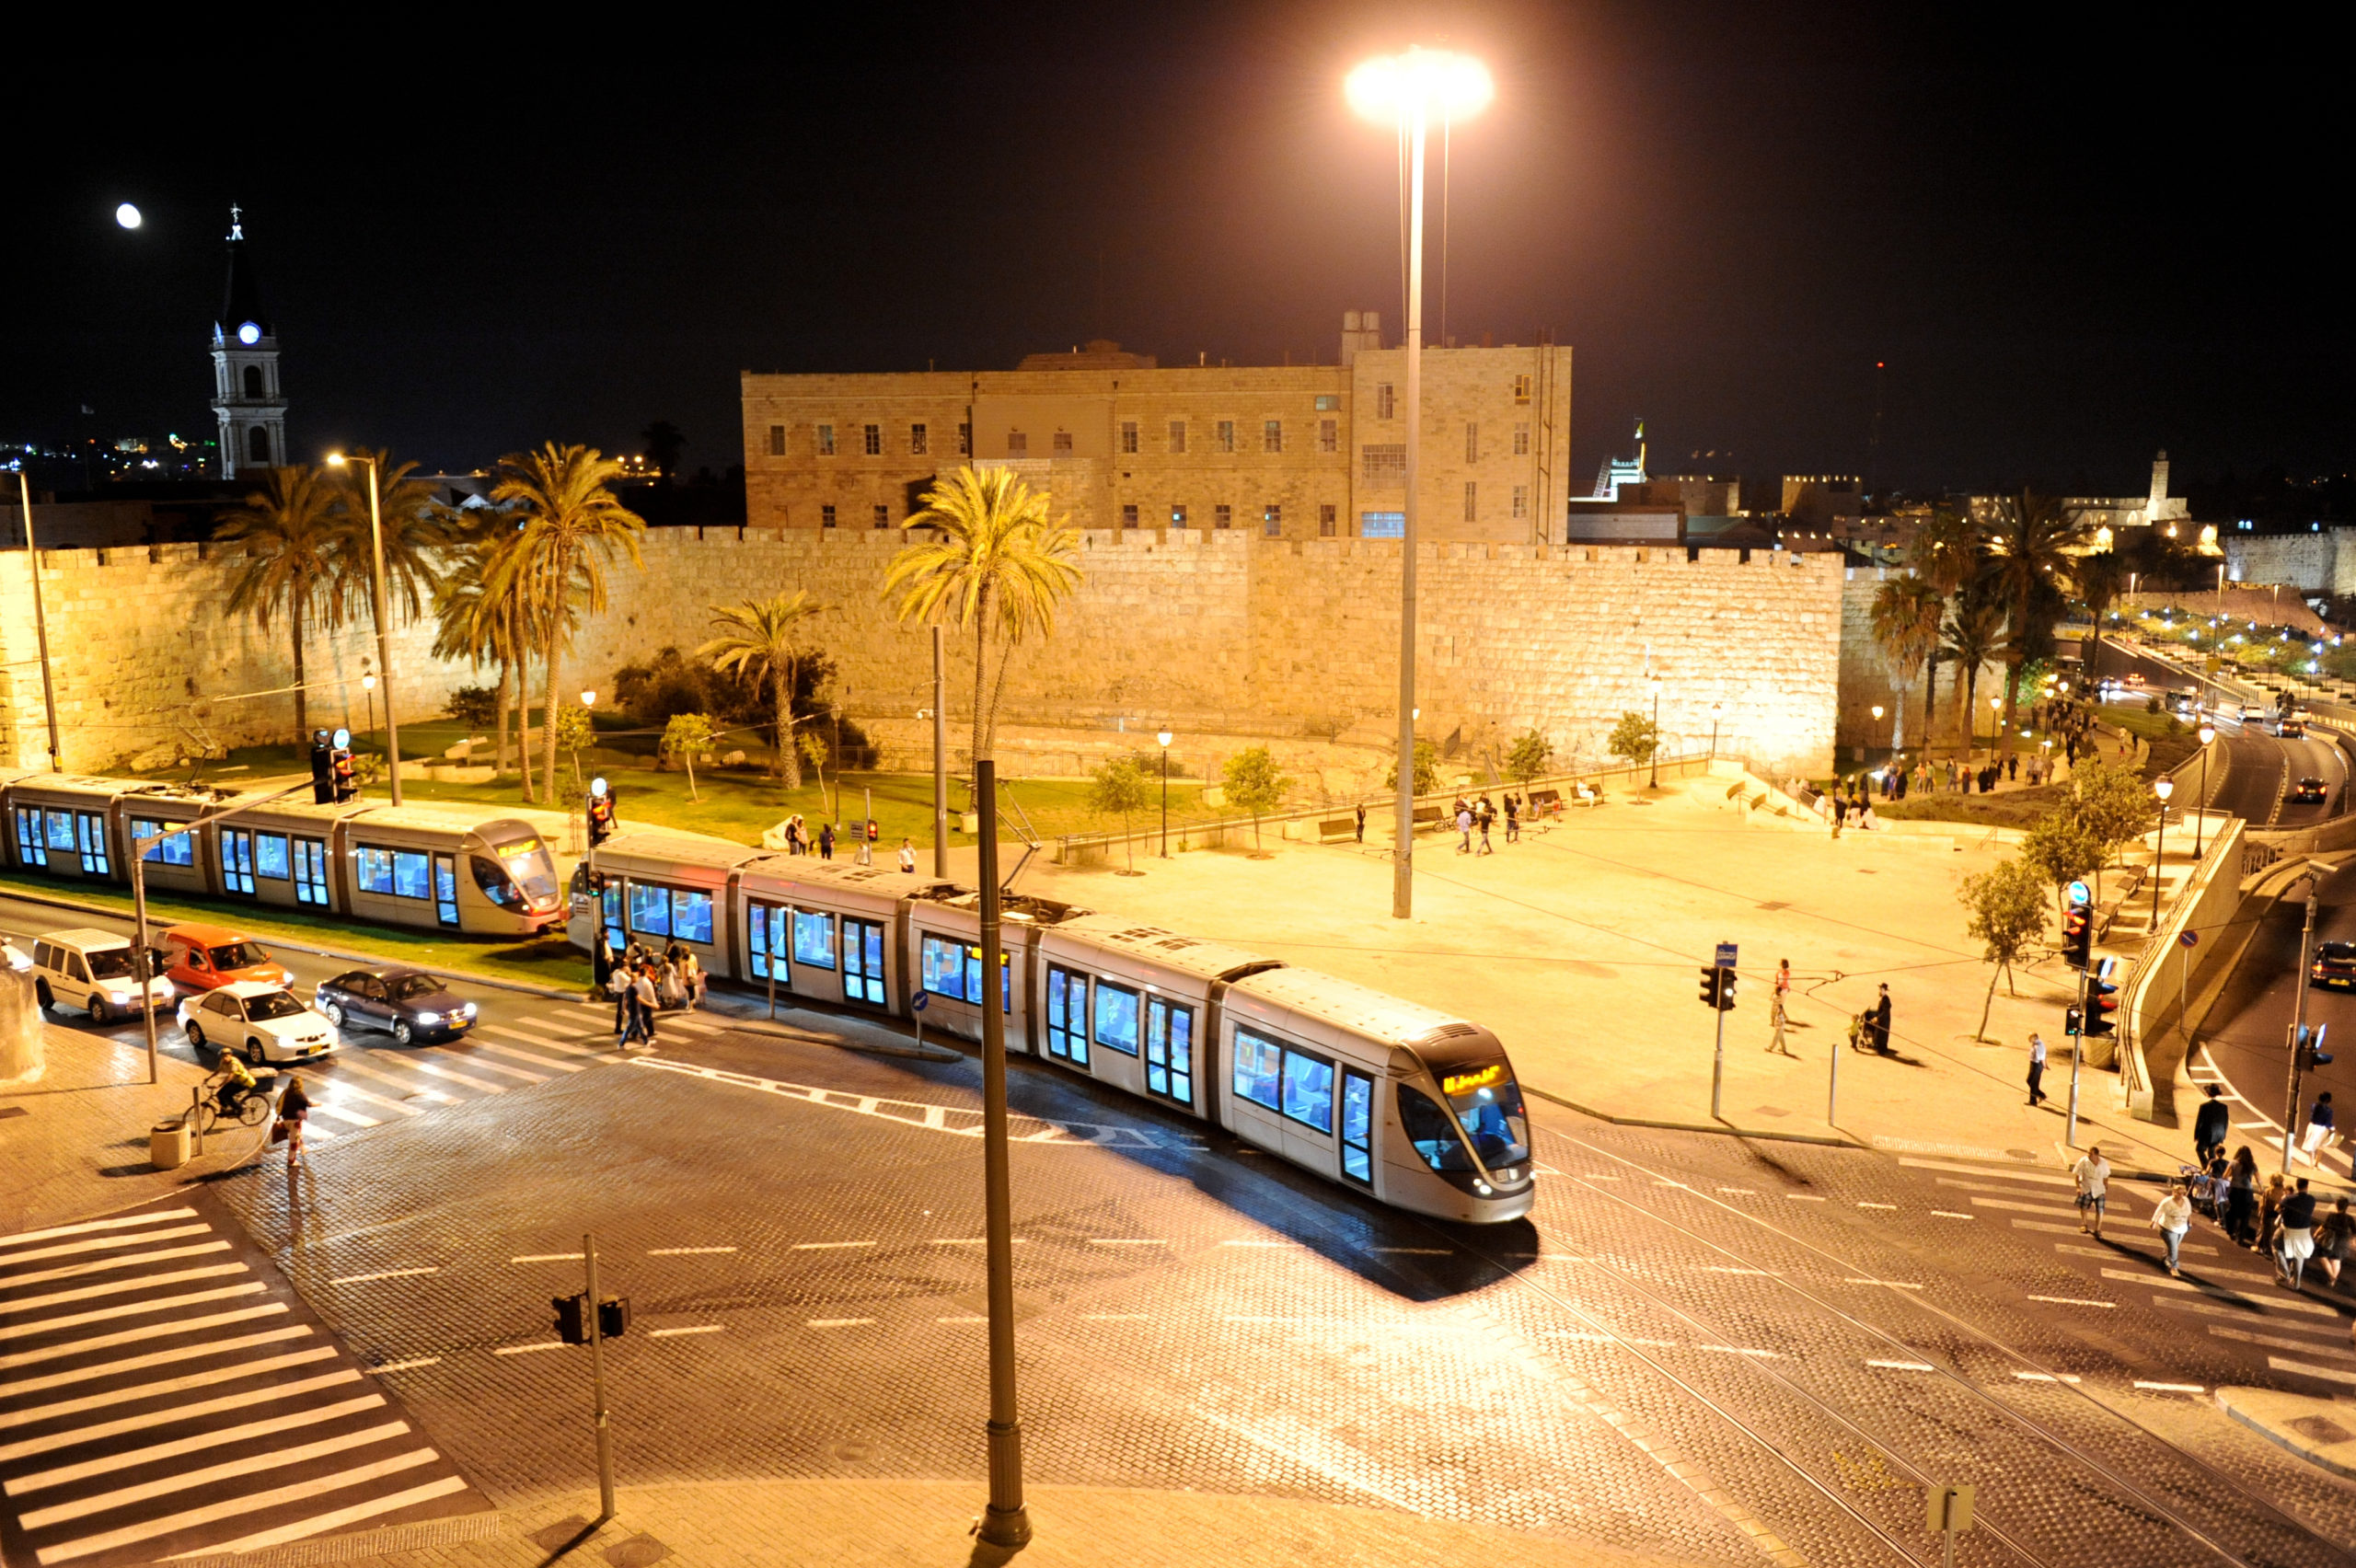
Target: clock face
[250,333]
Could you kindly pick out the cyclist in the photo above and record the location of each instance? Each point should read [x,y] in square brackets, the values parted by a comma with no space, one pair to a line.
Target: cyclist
[237,1083]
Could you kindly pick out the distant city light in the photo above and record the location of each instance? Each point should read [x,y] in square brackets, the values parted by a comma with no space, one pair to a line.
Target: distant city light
[128,216]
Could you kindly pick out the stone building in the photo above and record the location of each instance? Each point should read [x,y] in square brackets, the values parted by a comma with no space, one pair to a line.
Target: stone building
[247,398]
[1121,442]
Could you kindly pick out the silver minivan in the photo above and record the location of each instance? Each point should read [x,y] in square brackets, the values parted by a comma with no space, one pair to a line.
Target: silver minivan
[93,970]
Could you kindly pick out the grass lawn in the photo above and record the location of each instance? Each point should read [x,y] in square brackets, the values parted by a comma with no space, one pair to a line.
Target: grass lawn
[545,961]
[2019,808]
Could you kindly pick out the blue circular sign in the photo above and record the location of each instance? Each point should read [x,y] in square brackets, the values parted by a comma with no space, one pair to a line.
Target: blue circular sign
[2079,893]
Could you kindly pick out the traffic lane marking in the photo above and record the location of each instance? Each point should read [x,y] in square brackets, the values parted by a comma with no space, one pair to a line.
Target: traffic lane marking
[2072,1301]
[90,1226]
[22,1386]
[100,1265]
[225,1439]
[385,1273]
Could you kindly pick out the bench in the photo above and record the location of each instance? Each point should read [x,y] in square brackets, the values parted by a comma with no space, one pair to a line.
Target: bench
[1431,816]
[1545,802]
[1333,830]
[1588,795]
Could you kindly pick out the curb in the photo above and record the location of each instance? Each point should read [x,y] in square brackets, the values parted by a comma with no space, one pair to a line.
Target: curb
[1723,1129]
[2289,1441]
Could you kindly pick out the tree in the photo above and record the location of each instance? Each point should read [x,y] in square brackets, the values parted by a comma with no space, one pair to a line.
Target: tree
[1118,788]
[1973,636]
[576,734]
[477,621]
[2100,579]
[2114,803]
[1946,552]
[1529,758]
[573,527]
[286,534]
[1427,768]
[2030,556]
[1253,782]
[814,752]
[2005,910]
[413,528]
[759,645]
[664,444]
[2061,850]
[1905,618]
[688,737]
[1636,737]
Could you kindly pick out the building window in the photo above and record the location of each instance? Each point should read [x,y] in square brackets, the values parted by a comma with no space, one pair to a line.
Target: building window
[827,515]
[1383,406]
[1328,402]
[1129,516]
[1063,443]
[1471,441]
[253,384]
[1128,435]
[776,441]
[965,439]
[1226,442]
[1383,467]
[1382,524]
[1521,388]
[1223,516]
[1471,502]
[919,441]
[872,437]
[1325,521]
[1271,520]
[1521,501]
[257,444]
[1178,436]
[1329,435]
[1018,444]
[1521,438]
[825,441]
[1271,435]
[1177,516]
[882,515]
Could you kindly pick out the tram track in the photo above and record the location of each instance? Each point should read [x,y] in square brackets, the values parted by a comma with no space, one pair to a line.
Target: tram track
[2022,1423]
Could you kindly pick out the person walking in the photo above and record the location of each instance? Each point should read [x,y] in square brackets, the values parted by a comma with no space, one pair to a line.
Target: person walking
[2269,1211]
[1361,822]
[2172,1219]
[2298,1243]
[1777,1001]
[2093,1176]
[2319,1134]
[293,1109]
[1513,820]
[2241,1195]
[2036,1095]
[825,841]
[644,1005]
[2332,1237]
[1487,815]
[1464,828]
[617,985]
[1880,1025]
[2211,1126]
[908,855]
[601,963]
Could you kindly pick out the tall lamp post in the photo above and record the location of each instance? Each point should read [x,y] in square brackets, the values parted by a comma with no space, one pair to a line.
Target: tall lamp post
[1654,759]
[1164,738]
[384,633]
[1407,91]
[41,622]
[1995,725]
[2163,788]
[367,685]
[1715,709]
[2207,732]
[1879,711]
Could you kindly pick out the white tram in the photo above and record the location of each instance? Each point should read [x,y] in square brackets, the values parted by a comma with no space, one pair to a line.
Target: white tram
[1415,1107]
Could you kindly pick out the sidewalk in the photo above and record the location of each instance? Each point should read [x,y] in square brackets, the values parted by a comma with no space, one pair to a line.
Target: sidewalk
[2322,1432]
[913,1523]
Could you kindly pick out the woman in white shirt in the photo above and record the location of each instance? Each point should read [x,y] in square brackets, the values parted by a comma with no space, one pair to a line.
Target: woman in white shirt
[2172,1219]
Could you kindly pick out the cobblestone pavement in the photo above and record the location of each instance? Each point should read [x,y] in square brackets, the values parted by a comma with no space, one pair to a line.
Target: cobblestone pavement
[1700,1347]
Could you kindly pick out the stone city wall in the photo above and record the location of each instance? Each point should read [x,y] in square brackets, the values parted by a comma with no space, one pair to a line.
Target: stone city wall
[2321,562]
[1222,632]
[1866,680]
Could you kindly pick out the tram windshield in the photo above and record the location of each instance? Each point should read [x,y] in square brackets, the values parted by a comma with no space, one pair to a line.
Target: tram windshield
[1488,1103]
[517,871]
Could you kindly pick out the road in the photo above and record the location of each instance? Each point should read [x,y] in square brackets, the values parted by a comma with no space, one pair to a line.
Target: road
[2252,770]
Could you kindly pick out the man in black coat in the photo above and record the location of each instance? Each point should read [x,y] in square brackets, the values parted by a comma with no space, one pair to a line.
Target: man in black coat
[2210,1127]
[1879,1021]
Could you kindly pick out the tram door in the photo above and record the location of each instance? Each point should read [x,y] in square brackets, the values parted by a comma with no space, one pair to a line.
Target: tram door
[766,938]
[238,861]
[1358,1126]
[445,889]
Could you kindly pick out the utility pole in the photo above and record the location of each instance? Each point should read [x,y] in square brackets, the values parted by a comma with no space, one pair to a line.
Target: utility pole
[597,1383]
[2299,1025]
[41,637]
[1403,861]
[939,762]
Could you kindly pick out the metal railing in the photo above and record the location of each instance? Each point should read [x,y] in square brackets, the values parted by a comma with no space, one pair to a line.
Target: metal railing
[2165,956]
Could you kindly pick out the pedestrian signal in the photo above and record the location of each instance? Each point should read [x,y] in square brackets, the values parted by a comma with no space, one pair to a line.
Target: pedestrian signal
[2311,1052]
[2071,1020]
[572,1318]
[1725,990]
[2078,936]
[343,785]
[2102,1000]
[613,1317]
[601,817]
[1709,994]
[322,775]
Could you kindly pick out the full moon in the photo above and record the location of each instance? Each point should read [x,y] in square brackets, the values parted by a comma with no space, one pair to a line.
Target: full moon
[127,216]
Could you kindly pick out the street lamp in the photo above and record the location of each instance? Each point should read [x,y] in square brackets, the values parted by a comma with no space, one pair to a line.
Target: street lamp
[2207,732]
[2163,788]
[1655,684]
[1995,725]
[1714,730]
[368,686]
[1407,91]
[384,634]
[41,620]
[1164,738]
[1879,710]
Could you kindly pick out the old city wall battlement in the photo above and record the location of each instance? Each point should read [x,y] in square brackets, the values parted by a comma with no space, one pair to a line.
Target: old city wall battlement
[1195,628]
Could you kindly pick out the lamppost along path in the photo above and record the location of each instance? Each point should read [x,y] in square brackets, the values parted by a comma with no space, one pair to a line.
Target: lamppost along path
[384,633]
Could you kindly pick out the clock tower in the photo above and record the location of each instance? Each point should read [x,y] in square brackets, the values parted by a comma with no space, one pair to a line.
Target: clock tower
[246,394]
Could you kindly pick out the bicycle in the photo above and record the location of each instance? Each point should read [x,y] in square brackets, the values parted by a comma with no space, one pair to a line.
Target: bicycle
[252,1111]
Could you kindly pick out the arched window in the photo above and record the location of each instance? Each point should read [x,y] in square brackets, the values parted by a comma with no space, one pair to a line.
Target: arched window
[258,442]
[253,384]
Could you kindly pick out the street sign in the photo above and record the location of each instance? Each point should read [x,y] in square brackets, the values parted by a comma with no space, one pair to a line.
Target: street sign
[1726,955]
[916,1003]
[1950,1507]
[2190,938]
[2079,892]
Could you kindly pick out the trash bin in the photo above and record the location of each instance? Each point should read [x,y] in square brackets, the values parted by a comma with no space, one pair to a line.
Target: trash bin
[167,1144]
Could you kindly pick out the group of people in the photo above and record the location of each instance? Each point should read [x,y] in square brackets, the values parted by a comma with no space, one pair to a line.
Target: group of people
[863,835]
[2277,1215]
[644,984]
[1476,815]
[238,1085]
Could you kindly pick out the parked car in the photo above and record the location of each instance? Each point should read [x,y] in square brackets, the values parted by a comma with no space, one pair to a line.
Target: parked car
[260,1022]
[2310,791]
[94,971]
[408,1003]
[206,956]
[2335,965]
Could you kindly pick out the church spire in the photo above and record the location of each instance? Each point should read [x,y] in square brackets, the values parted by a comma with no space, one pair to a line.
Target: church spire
[247,396]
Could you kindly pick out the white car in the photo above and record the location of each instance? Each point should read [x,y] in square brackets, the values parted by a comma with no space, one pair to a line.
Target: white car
[260,1021]
[96,971]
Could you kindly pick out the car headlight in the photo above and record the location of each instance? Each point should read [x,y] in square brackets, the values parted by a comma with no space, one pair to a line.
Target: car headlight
[428,1019]
[467,1008]
[119,999]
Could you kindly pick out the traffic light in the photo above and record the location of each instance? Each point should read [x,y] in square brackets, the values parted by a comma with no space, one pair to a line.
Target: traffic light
[2102,1000]
[572,1318]
[1717,989]
[339,767]
[2078,936]
[613,1317]
[601,813]
[2071,1020]
[1725,990]
[1709,994]
[2311,1052]
[322,779]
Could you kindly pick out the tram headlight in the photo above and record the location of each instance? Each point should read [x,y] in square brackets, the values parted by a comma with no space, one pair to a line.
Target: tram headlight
[1482,1187]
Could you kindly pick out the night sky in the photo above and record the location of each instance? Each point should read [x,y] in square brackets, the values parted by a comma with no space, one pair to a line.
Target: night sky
[2071,248]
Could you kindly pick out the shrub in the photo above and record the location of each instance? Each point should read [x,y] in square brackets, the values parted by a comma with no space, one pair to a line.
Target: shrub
[475,706]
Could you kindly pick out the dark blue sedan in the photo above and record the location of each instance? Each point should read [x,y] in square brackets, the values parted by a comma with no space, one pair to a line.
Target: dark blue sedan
[408,1004]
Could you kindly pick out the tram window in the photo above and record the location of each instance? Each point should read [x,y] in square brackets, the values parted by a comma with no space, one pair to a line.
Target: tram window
[813,939]
[374,868]
[1068,1015]
[61,831]
[1432,1131]
[1309,1091]
[1116,1017]
[649,909]
[412,874]
[310,872]
[1005,977]
[944,967]
[1358,1126]
[496,885]
[690,915]
[1488,1103]
[93,830]
[270,856]
[32,849]
[612,900]
[1259,1064]
[862,962]
[179,849]
[237,861]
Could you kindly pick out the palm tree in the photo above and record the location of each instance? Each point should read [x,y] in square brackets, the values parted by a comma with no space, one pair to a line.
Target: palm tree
[572,528]
[290,531]
[1906,612]
[995,562]
[479,625]
[756,643]
[2101,578]
[1974,635]
[1946,552]
[415,526]
[2030,551]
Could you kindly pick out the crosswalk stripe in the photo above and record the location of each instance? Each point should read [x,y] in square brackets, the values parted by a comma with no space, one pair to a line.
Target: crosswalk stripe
[117,1286]
[231,1374]
[198,1352]
[245,1464]
[340,1090]
[2247,1312]
[476,1059]
[133,1336]
[2302,1346]
[566,1028]
[542,1042]
[124,1261]
[2329,1374]
[321,1523]
[692,1025]
[74,1248]
[322,1108]
[222,1439]
[121,1222]
[97,1315]
[516,1053]
[1956,1165]
[422,1092]
[229,1507]
[2024,1208]
[28,1446]
[443,1070]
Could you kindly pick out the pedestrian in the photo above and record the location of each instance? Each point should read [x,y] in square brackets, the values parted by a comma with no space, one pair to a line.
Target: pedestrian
[2035,1068]
[690,981]
[1485,818]
[617,985]
[2270,1210]
[1513,820]
[2319,1134]
[2209,1126]
[2093,1176]
[294,1108]
[1464,828]
[1839,812]
[1361,816]
[1880,1017]
[2241,1195]
[1776,1004]
[601,963]
[907,857]
[2298,1243]
[2172,1219]
[2332,1238]
[643,1006]
[825,841]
